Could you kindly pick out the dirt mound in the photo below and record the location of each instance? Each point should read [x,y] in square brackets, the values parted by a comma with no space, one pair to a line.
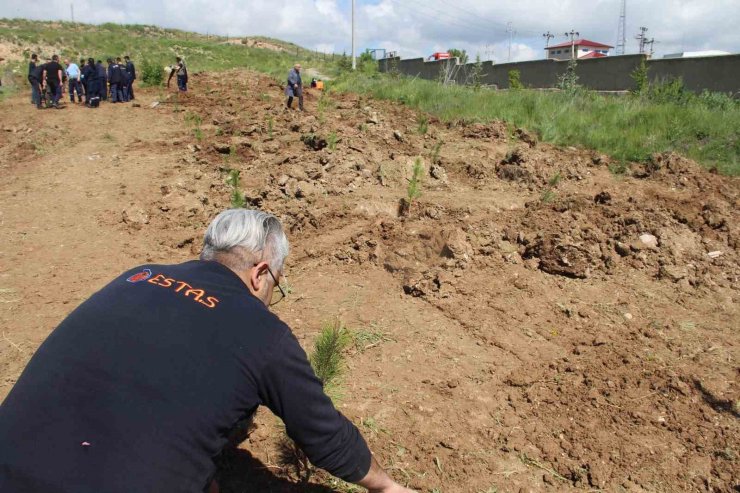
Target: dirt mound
[543,318]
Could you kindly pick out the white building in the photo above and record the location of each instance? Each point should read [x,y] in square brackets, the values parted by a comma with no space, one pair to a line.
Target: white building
[581,48]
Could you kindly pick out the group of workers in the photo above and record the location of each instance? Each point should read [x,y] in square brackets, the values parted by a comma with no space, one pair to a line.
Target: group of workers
[90,79]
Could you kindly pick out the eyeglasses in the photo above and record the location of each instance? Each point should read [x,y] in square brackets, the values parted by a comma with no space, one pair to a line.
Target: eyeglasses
[276,290]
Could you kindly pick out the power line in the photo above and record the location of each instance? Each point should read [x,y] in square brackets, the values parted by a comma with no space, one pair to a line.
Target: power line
[479,17]
[448,18]
[467,27]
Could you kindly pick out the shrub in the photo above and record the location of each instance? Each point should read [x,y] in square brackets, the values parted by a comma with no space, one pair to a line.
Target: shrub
[515,80]
[671,91]
[476,74]
[568,81]
[640,76]
[151,73]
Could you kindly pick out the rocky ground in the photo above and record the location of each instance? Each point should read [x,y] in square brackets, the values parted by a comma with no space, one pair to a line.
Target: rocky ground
[538,319]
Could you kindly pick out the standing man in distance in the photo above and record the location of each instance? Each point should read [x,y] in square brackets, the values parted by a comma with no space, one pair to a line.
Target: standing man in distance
[131,69]
[295,87]
[102,80]
[73,77]
[138,388]
[53,78]
[89,79]
[182,75]
[34,78]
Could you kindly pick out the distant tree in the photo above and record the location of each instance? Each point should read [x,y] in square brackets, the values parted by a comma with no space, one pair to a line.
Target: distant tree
[462,55]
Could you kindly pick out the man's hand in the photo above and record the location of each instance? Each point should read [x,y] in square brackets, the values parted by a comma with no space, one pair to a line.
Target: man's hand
[377,481]
[395,488]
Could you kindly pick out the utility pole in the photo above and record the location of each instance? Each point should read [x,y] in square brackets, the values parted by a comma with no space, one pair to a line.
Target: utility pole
[622,29]
[651,42]
[510,30]
[642,38]
[548,36]
[72,11]
[573,35]
[354,60]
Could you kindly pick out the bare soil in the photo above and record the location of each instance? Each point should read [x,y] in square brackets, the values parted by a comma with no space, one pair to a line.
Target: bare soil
[533,322]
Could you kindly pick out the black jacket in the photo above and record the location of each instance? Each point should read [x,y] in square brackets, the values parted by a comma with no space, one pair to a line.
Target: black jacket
[138,388]
[131,69]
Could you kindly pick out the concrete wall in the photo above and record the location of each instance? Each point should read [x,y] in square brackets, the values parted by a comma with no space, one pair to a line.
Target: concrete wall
[714,73]
[607,74]
[717,73]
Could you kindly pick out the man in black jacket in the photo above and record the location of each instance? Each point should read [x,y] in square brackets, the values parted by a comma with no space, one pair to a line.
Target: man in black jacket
[89,79]
[34,78]
[138,388]
[115,78]
[102,80]
[131,69]
[53,78]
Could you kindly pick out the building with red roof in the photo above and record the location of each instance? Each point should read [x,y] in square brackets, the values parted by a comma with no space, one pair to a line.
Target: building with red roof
[580,48]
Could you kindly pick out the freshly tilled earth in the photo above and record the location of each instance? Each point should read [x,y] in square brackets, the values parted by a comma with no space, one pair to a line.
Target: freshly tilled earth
[539,319]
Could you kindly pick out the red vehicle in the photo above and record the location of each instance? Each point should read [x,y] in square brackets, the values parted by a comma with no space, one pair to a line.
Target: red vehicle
[440,56]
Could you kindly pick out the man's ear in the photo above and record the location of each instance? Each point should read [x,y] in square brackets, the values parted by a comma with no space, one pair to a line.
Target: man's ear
[257,276]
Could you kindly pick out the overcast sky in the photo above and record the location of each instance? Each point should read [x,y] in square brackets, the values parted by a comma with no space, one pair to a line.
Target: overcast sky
[416,28]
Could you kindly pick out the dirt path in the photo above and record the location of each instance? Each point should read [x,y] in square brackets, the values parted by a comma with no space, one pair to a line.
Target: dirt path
[535,322]
[67,176]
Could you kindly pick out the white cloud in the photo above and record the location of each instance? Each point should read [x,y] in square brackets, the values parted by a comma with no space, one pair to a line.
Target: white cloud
[419,27]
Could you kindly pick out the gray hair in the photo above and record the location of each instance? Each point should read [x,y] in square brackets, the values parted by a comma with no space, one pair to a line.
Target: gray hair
[241,238]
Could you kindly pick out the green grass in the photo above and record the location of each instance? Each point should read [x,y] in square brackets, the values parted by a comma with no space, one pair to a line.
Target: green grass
[156,46]
[627,128]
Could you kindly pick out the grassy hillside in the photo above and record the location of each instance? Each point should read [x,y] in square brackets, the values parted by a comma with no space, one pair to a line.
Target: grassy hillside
[703,127]
[157,45]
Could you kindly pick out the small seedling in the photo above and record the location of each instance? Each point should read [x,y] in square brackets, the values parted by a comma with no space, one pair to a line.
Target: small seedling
[198,134]
[332,141]
[327,358]
[270,124]
[109,137]
[237,197]
[413,191]
[548,196]
[265,97]
[193,118]
[436,151]
[553,182]
[423,124]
